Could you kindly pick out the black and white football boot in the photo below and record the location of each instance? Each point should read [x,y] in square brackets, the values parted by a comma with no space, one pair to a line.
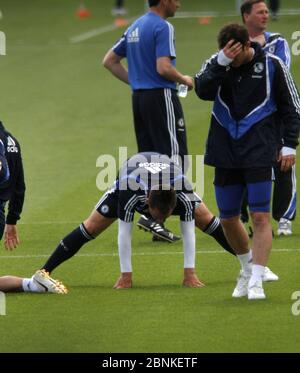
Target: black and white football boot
[160,233]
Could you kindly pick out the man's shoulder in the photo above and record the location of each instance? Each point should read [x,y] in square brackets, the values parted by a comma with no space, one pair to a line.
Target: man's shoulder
[273,37]
[152,21]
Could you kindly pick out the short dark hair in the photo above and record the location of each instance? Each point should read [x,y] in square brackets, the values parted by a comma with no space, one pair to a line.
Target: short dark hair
[163,200]
[153,2]
[247,5]
[233,31]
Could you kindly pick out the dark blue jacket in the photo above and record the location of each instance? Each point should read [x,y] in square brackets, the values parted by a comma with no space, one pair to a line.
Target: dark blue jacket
[13,188]
[244,130]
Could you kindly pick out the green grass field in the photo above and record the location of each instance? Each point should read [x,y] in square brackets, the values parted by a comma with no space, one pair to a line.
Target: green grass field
[66,110]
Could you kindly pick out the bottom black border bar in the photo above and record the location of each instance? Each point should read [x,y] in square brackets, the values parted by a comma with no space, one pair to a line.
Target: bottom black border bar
[137,361]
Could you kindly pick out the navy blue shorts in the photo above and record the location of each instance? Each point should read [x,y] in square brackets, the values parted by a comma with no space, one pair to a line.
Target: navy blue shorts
[231,185]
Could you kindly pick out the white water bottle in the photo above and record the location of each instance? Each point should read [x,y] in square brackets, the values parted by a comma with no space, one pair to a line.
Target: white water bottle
[182,90]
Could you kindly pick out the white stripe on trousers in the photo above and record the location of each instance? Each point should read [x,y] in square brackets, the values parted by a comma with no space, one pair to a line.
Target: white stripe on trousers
[294,190]
[171,121]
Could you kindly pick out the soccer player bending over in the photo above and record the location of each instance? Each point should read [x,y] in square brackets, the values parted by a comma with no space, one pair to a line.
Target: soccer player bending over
[148,183]
[160,193]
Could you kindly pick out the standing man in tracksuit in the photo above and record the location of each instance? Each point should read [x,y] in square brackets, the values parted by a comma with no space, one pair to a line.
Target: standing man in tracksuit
[255,16]
[274,6]
[250,90]
[149,47]
[12,189]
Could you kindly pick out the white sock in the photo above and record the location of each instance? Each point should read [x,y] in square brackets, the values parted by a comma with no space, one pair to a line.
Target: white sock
[246,262]
[29,286]
[257,273]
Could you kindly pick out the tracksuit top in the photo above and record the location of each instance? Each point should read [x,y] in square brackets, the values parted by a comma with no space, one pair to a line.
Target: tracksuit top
[245,130]
[13,189]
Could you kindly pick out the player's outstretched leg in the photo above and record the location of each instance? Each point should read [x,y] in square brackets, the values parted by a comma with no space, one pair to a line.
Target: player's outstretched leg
[40,282]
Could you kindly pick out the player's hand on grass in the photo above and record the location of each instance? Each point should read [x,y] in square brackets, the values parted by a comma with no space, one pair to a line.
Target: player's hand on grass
[11,238]
[124,281]
[191,280]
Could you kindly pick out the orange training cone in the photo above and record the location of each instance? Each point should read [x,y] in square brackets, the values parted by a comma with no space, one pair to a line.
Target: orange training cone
[83,12]
[204,20]
[121,22]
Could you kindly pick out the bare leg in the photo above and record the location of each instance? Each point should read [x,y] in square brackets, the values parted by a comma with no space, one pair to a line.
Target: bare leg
[262,237]
[202,216]
[97,223]
[11,284]
[210,225]
[236,234]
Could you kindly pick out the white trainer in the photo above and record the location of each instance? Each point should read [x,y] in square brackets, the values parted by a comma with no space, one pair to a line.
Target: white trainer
[47,284]
[284,227]
[241,289]
[269,275]
[256,291]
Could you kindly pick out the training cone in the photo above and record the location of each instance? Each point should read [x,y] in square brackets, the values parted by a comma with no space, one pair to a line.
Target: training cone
[121,22]
[204,20]
[83,12]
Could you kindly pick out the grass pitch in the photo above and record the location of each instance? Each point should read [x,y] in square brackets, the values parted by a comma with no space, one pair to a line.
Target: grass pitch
[66,110]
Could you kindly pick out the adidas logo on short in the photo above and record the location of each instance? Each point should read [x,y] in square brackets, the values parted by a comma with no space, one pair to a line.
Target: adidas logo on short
[133,37]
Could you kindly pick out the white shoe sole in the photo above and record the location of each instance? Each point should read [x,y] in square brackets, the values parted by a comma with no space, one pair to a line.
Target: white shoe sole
[283,233]
[268,279]
[256,297]
[253,296]
[234,295]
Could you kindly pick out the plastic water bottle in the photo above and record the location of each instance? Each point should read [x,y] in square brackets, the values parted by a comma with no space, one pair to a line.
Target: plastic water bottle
[182,90]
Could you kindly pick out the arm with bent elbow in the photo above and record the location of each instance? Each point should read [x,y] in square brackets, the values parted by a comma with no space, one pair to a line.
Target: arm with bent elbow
[112,62]
[165,68]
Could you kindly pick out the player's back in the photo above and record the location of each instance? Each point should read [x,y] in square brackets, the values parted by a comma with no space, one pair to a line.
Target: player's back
[148,170]
[145,39]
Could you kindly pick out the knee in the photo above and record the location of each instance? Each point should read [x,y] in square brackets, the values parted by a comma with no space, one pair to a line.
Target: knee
[228,223]
[260,219]
[92,227]
[202,216]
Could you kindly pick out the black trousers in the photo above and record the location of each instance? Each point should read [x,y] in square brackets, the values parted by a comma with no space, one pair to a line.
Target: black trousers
[284,194]
[274,5]
[119,3]
[159,123]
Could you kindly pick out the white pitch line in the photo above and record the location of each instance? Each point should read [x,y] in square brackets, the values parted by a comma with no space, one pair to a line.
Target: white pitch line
[50,222]
[180,15]
[184,15]
[95,255]
[97,31]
